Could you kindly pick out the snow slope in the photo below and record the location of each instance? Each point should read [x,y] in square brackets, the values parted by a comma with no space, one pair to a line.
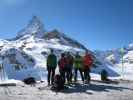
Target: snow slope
[95,91]
[115,58]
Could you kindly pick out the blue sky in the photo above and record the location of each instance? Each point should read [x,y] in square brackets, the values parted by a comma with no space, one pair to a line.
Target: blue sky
[98,24]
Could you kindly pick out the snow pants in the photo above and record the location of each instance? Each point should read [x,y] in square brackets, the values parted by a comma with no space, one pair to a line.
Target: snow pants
[81,74]
[69,70]
[51,74]
[66,73]
[62,73]
[87,74]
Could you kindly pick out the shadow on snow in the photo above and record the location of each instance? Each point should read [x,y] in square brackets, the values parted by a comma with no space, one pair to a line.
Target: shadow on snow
[89,89]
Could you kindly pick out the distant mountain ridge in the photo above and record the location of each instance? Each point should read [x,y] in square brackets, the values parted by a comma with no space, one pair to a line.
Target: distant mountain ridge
[115,55]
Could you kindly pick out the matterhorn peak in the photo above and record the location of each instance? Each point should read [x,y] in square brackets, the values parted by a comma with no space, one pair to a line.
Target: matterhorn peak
[35,27]
[35,21]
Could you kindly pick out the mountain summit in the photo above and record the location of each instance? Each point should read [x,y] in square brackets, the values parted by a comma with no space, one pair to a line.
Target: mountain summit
[34,27]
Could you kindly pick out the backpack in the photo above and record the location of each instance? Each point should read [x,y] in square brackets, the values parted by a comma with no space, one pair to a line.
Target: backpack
[58,83]
[29,81]
[104,75]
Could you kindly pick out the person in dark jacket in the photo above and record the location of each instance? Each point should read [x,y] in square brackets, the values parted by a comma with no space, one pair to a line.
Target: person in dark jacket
[62,63]
[87,63]
[69,65]
[51,66]
[78,66]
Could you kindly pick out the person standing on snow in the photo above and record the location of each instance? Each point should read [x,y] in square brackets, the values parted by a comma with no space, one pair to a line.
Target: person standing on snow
[87,63]
[62,63]
[78,66]
[69,66]
[51,66]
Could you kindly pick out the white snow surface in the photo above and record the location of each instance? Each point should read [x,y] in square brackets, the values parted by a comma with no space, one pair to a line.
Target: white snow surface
[95,91]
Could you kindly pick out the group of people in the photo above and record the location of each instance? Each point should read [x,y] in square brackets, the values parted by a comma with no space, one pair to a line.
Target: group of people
[68,64]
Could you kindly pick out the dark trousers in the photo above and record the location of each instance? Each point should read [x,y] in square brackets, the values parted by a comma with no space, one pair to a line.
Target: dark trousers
[66,74]
[51,74]
[87,74]
[62,73]
[69,73]
[81,74]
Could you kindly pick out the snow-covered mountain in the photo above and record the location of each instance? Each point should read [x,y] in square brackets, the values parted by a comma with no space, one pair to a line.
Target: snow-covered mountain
[117,56]
[25,55]
[34,27]
[63,39]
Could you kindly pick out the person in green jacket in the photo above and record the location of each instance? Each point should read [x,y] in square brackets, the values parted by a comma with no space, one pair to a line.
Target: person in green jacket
[51,66]
[78,66]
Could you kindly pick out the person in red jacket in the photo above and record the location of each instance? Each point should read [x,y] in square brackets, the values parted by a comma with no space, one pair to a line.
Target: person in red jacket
[62,63]
[87,63]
